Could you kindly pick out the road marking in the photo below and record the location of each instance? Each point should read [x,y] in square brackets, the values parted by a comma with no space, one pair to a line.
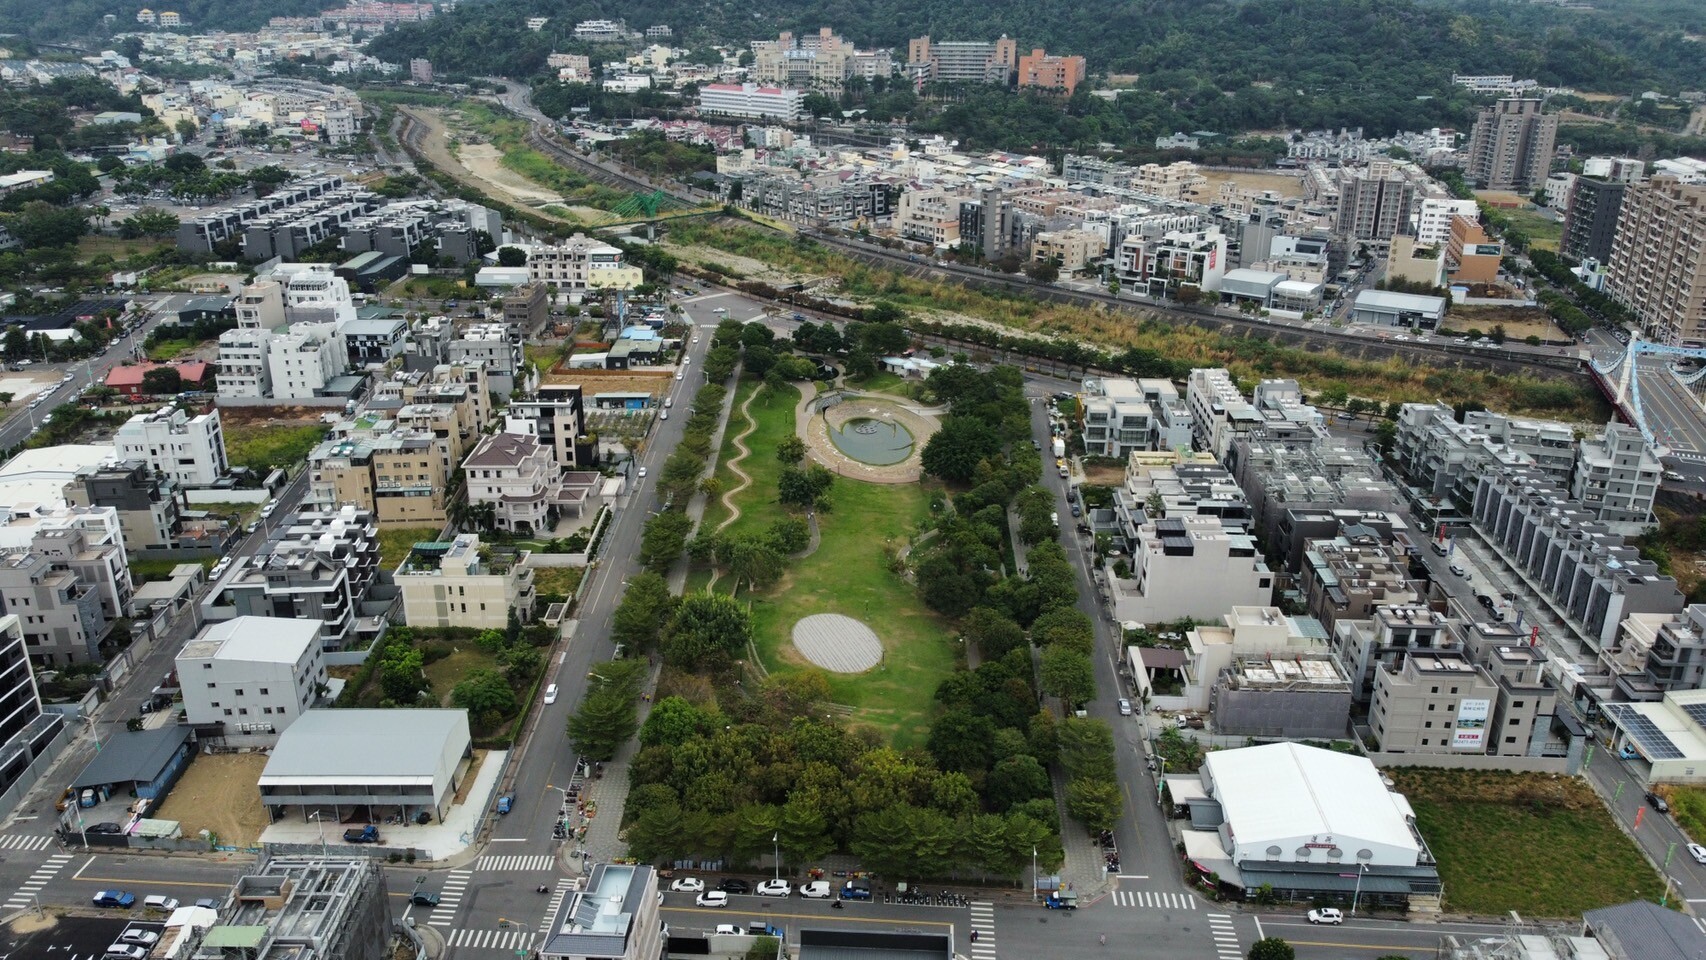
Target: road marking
[982,923]
[1132,876]
[509,840]
[565,886]
[449,898]
[136,880]
[814,917]
[1154,900]
[27,890]
[491,939]
[25,843]
[79,874]
[523,862]
[1225,936]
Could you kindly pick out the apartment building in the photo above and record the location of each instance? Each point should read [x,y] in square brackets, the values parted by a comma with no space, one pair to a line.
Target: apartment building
[1656,655]
[1590,224]
[1658,259]
[1374,202]
[303,360]
[1122,416]
[515,475]
[1352,575]
[1435,702]
[243,371]
[527,307]
[1384,641]
[1470,255]
[1617,475]
[319,566]
[400,476]
[1171,483]
[825,198]
[556,414]
[823,61]
[190,450]
[494,347]
[1040,71]
[1289,697]
[1219,411]
[1158,267]
[752,101]
[1176,181]
[1220,643]
[464,584]
[1073,251]
[1191,566]
[146,502]
[1434,217]
[1309,481]
[929,216]
[261,305]
[68,585]
[246,679]
[963,61]
[1411,262]
[1511,145]
[1586,571]
[615,914]
[581,263]
[292,907]
[29,737]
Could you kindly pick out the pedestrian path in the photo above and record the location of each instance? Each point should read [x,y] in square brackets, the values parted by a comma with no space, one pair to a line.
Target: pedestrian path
[1154,900]
[565,886]
[1225,936]
[449,898]
[535,862]
[508,941]
[26,895]
[26,843]
[983,926]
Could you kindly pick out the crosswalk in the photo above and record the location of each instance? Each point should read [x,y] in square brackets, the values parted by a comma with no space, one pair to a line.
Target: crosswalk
[1154,900]
[26,894]
[1225,936]
[509,940]
[26,843]
[565,886]
[449,898]
[536,862]
[983,925]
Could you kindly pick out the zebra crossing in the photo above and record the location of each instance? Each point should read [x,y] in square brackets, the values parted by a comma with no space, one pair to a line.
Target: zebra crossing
[26,894]
[508,940]
[26,843]
[449,898]
[1225,936]
[524,862]
[983,927]
[1154,900]
[565,886]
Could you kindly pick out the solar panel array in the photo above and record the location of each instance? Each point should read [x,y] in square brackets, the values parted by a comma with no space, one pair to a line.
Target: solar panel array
[1696,712]
[1647,736]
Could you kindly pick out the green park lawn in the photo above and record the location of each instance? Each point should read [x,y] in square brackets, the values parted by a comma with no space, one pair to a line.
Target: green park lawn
[774,414]
[1539,845]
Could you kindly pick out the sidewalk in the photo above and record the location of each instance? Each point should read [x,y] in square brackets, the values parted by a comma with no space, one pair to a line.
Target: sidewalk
[604,798]
[1084,871]
[696,504]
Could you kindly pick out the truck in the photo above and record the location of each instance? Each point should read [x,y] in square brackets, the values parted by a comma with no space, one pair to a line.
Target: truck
[1060,446]
[1062,900]
[367,834]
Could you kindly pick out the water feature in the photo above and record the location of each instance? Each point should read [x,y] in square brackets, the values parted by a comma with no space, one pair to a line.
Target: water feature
[874,441]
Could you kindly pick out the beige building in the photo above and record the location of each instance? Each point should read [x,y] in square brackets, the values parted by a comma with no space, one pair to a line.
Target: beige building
[1414,262]
[517,477]
[1434,702]
[1511,145]
[1072,250]
[1179,180]
[1658,259]
[463,584]
[929,216]
[400,477]
[822,60]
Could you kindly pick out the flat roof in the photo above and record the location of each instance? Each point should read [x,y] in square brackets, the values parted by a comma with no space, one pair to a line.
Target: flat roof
[133,756]
[1392,300]
[364,745]
[1280,791]
[256,639]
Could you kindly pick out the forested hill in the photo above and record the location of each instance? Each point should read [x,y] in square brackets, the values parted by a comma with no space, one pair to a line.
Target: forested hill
[80,20]
[1637,45]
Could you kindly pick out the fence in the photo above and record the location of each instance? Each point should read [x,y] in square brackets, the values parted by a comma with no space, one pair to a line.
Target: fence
[1477,761]
[594,537]
[404,854]
[257,495]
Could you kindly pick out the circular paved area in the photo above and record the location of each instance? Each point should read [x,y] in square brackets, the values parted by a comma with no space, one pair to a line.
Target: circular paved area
[837,643]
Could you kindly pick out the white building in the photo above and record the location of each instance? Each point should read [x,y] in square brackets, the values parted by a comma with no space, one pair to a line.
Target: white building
[303,359]
[1617,475]
[582,263]
[461,588]
[1245,632]
[1220,413]
[190,450]
[312,293]
[752,100]
[599,31]
[382,762]
[243,371]
[1433,221]
[261,306]
[1190,566]
[516,476]
[1121,416]
[245,680]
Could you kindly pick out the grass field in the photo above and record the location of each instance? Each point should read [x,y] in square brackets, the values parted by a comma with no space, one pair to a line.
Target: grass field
[445,674]
[558,580]
[164,350]
[1540,845]
[1543,233]
[396,542]
[1687,808]
[147,571]
[263,446]
[98,245]
[774,414]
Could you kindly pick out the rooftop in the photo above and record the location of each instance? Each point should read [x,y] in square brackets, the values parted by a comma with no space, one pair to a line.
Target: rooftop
[1281,791]
[364,745]
[255,639]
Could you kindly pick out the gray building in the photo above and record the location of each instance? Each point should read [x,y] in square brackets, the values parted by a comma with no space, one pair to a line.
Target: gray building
[1435,702]
[1121,416]
[1617,475]
[362,766]
[29,738]
[613,916]
[1511,145]
[557,416]
[1590,222]
[295,907]
[1291,697]
[1374,203]
[1363,647]
[374,340]
[146,502]
[201,234]
[68,588]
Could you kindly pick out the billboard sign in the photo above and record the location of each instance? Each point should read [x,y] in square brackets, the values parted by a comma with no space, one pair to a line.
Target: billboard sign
[1471,732]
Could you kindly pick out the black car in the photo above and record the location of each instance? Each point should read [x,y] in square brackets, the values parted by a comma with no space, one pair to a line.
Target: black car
[734,885]
[424,899]
[105,828]
[1658,802]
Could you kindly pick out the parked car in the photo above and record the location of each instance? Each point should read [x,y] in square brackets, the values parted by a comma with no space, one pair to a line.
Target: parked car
[127,951]
[1457,569]
[687,885]
[1327,915]
[367,834]
[551,693]
[108,827]
[775,888]
[856,889]
[147,938]
[158,902]
[114,898]
[505,803]
[1658,802]
[424,899]
[734,885]
[816,890]
[712,898]
[207,903]
[732,929]
[1125,707]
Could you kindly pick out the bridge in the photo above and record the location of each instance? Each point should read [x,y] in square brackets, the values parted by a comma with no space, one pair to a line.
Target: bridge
[1643,381]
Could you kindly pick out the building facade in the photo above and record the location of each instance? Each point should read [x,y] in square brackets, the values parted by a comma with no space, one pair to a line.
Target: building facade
[190,450]
[1658,259]
[1590,224]
[1511,145]
[459,585]
[245,680]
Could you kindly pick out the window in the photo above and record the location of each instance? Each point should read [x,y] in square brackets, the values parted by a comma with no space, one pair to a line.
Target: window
[1424,741]
[263,691]
[1429,724]
[214,703]
[1516,704]
[242,711]
[211,685]
[1510,739]
[1432,706]
[1433,689]
[1514,721]
[207,666]
[238,692]
[1454,690]
[228,711]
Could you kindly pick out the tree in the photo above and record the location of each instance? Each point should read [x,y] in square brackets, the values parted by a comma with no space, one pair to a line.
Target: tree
[645,608]
[1065,627]
[961,740]
[804,488]
[1067,674]
[1097,804]
[186,129]
[860,364]
[956,450]
[41,224]
[1086,748]
[184,164]
[485,695]
[752,559]
[512,257]
[1188,294]
[1042,271]
[161,381]
[148,222]
[604,722]
[706,626]
[1272,948]
[1015,780]
[672,722]
[663,539]
[789,535]
[16,344]
[994,632]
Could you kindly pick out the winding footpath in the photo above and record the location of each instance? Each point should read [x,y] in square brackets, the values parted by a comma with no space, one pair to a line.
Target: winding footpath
[734,465]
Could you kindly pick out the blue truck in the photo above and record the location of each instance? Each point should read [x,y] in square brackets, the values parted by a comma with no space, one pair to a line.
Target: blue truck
[367,834]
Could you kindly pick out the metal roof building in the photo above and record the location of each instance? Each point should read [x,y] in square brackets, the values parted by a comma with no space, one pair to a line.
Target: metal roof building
[389,761]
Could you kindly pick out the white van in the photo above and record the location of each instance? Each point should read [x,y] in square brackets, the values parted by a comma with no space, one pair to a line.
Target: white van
[551,693]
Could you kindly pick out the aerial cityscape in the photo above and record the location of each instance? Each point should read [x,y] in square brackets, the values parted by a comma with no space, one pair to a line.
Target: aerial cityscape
[886,482]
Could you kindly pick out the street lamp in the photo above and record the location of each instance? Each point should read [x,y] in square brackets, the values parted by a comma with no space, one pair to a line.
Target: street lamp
[320,826]
[1361,869]
[1035,878]
[776,839]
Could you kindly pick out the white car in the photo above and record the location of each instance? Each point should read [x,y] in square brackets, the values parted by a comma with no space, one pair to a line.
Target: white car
[1698,852]
[1327,915]
[146,938]
[717,310]
[816,890]
[681,375]
[551,693]
[688,885]
[642,472]
[728,928]
[158,902]
[1125,707]
[712,898]
[774,888]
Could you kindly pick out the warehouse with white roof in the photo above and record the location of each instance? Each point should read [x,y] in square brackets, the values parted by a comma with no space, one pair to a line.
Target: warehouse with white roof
[361,766]
[1308,822]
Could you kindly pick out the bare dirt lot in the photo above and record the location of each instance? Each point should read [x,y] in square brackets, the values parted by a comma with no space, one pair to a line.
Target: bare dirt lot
[614,381]
[434,144]
[218,793]
[1519,322]
[1285,184]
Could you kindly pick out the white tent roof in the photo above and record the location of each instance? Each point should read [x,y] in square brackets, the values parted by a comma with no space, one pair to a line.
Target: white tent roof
[1280,791]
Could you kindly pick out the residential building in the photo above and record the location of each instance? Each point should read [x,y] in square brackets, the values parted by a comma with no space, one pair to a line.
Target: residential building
[1294,697]
[600,31]
[495,348]
[1658,259]
[614,915]
[1073,251]
[303,360]
[581,263]
[991,224]
[556,414]
[1374,202]
[1246,633]
[752,101]
[1470,255]
[1383,641]
[929,216]
[246,679]
[1219,412]
[516,476]
[1411,262]
[29,738]
[318,565]
[1038,69]
[1617,475]
[1192,566]
[963,61]
[132,382]
[1158,267]
[1655,655]
[303,906]
[373,341]
[1436,702]
[67,587]
[1590,224]
[1433,219]
[399,475]
[1511,145]
[368,764]
[526,308]
[463,583]
[1350,576]
[823,61]
[1121,416]
[243,370]
[146,502]
[420,70]
[190,450]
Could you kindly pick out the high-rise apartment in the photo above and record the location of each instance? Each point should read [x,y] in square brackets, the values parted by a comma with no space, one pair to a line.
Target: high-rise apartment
[1658,259]
[1038,69]
[1591,221]
[1510,147]
[1374,202]
[965,61]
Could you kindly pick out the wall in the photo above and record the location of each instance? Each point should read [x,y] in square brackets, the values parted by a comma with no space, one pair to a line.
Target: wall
[1475,761]
[258,495]
[10,799]
[1299,714]
[537,559]
[270,402]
